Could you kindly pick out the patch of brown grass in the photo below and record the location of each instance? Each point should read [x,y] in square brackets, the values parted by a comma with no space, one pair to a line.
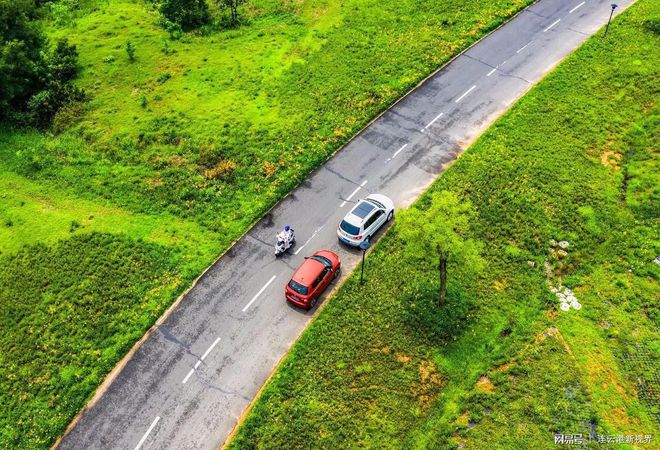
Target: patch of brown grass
[485,385]
[610,159]
[222,169]
[429,385]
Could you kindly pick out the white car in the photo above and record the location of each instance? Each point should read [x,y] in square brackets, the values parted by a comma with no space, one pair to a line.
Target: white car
[365,219]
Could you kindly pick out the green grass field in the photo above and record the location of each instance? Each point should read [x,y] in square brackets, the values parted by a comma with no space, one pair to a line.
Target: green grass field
[110,216]
[501,365]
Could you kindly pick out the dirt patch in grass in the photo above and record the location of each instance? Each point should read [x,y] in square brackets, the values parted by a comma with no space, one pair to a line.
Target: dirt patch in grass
[485,385]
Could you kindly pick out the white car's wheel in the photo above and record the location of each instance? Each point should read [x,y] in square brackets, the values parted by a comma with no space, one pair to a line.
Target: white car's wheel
[390,216]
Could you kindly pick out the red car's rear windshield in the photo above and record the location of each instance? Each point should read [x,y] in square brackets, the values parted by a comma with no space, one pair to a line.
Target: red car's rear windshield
[322,259]
[299,288]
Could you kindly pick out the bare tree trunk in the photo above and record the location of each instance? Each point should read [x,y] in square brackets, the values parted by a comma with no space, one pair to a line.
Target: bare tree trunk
[442,269]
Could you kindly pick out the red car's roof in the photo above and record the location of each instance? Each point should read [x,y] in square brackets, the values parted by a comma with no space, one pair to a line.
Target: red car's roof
[307,272]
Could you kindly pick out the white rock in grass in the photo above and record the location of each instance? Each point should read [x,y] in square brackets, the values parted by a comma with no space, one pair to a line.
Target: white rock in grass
[564,306]
[576,305]
[564,244]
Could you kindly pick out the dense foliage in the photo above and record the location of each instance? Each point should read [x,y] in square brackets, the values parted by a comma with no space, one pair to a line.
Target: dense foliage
[67,313]
[21,43]
[232,6]
[576,159]
[187,14]
[35,83]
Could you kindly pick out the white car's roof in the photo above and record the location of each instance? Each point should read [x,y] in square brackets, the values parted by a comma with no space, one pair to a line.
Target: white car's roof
[360,212]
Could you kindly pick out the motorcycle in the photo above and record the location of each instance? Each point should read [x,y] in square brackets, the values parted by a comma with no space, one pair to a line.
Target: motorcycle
[285,240]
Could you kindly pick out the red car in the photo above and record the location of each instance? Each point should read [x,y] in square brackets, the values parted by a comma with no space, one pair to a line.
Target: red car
[312,277]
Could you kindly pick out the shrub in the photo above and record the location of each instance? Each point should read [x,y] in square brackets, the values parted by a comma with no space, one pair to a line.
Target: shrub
[62,64]
[163,77]
[35,84]
[21,61]
[46,103]
[653,25]
[130,51]
[232,6]
[188,14]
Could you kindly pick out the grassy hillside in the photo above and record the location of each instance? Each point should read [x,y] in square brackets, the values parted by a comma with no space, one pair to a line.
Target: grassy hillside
[106,219]
[502,365]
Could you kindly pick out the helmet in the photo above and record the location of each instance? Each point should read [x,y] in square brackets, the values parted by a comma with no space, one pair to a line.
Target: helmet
[286,228]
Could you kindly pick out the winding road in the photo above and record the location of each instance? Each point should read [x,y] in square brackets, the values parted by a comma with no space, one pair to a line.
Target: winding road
[194,375]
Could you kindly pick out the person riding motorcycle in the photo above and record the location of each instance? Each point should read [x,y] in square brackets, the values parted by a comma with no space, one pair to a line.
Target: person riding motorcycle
[285,239]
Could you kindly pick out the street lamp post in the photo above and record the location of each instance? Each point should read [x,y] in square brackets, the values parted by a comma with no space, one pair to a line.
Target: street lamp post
[364,246]
[614,5]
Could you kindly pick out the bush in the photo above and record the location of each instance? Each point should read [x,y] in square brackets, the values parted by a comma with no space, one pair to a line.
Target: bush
[58,91]
[62,64]
[130,51]
[46,103]
[188,14]
[653,25]
[35,84]
[21,61]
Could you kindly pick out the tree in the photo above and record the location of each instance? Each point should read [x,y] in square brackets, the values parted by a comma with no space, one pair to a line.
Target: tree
[62,63]
[35,82]
[188,14]
[61,66]
[437,234]
[232,6]
[21,61]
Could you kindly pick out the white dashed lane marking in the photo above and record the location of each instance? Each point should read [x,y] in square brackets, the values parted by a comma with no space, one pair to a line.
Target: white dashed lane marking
[310,238]
[199,361]
[552,25]
[144,437]
[572,10]
[352,194]
[397,152]
[259,293]
[465,93]
[431,122]
[523,47]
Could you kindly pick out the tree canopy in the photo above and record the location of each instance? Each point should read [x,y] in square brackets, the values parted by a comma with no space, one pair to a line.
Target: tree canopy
[441,237]
[35,82]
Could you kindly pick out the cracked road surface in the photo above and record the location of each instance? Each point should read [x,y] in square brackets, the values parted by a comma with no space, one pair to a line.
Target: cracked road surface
[191,379]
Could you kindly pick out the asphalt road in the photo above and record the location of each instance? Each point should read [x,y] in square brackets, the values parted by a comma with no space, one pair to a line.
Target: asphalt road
[188,383]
